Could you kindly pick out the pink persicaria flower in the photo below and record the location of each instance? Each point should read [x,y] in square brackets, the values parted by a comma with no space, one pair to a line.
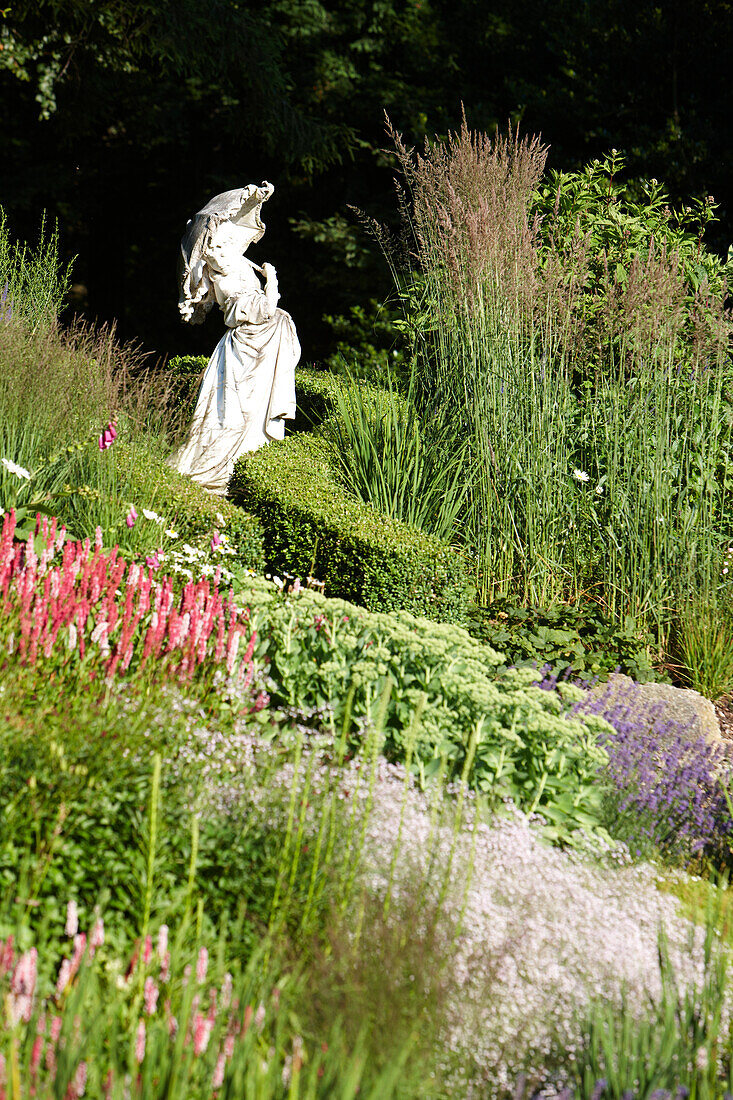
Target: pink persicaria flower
[23,986]
[151,996]
[202,965]
[131,516]
[140,1042]
[218,1079]
[79,1084]
[64,975]
[6,955]
[162,941]
[201,1032]
[72,919]
[36,1053]
[96,936]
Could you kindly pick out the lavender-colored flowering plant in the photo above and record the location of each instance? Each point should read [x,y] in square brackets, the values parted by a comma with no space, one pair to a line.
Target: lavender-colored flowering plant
[665,783]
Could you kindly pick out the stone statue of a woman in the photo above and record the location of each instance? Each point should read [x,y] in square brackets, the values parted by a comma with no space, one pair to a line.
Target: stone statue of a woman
[248,390]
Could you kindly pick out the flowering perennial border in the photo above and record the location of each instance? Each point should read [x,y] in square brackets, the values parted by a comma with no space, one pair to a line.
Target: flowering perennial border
[78,598]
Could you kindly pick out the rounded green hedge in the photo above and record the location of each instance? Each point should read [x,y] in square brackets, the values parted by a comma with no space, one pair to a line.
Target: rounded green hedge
[313,527]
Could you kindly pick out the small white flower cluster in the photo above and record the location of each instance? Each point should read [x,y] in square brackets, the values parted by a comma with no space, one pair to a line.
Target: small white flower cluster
[292,585]
[14,468]
[728,560]
[191,562]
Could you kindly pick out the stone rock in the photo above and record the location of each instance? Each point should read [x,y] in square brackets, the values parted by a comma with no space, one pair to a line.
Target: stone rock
[692,715]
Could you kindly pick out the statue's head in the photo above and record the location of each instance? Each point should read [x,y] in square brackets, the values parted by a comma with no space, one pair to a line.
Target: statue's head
[227,245]
[216,238]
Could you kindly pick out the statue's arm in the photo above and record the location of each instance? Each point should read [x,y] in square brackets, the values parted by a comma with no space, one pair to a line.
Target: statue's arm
[253,306]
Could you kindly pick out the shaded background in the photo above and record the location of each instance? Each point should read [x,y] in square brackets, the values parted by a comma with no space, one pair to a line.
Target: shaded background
[122,119]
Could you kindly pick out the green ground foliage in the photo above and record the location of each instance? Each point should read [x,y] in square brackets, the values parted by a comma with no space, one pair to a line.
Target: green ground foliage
[194,514]
[449,708]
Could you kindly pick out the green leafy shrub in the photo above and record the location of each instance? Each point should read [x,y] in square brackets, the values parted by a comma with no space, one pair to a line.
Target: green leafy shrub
[609,226]
[331,661]
[314,527]
[367,342]
[152,483]
[578,639]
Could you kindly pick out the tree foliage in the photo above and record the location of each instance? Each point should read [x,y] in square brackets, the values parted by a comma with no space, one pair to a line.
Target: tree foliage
[122,119]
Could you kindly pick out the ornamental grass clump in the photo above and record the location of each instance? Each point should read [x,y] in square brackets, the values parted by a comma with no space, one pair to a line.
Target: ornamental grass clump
[704,645]
[589,366]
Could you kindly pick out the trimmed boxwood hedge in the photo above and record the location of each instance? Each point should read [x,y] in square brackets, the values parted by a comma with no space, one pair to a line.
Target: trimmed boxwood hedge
[188,507]
[314,527]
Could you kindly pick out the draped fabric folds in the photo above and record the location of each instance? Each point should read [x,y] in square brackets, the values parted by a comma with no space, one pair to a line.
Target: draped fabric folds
[248,389]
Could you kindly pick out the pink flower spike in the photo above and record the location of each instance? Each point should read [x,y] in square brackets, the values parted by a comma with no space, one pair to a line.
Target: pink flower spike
[36,1053]
[202,965]
[96,936]
[79,1084]
[201,1032]
[140,1042]
[151,996]
[64,975]
[108,436]
[216,541]
[131,516]
[72,919]
[162,941]
[218,1079]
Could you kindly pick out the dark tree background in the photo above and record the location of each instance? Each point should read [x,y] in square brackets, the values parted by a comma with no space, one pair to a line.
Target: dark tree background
[120,119]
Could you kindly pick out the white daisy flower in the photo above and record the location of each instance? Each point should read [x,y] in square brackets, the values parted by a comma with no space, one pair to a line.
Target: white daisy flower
[171,533]
[581,475]
[153,516]
[13,468]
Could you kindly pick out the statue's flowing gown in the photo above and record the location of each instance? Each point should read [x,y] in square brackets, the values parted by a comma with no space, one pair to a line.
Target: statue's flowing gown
[248,389]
